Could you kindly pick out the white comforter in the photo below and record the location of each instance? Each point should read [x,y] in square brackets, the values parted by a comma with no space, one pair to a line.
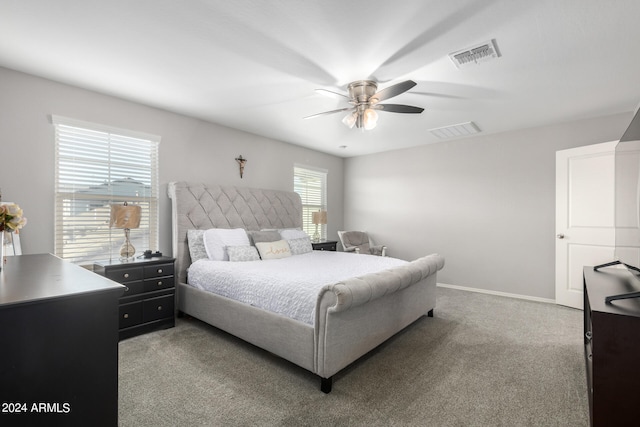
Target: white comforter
[287,286]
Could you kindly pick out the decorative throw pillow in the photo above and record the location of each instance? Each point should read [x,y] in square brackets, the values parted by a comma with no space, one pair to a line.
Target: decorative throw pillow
[263,236]
[196,245]
[274,250]
[243,253]
[300,246]
[216,241]
[292,233]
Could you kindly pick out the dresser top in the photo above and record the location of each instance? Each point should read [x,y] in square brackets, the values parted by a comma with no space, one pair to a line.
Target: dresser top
[134,262]
[32,278]
[608,282]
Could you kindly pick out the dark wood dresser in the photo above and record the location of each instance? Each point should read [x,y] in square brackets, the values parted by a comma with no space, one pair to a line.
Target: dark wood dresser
[149,298]
[612,349]
[59,344]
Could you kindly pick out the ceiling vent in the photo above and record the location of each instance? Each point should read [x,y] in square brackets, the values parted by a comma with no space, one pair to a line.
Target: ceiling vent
[473,55]
[454,131]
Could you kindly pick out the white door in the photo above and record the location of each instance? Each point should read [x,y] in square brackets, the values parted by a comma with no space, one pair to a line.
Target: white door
[585,216]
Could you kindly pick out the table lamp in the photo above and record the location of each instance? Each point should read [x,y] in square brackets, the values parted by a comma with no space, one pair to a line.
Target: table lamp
[126,217]
[317,218]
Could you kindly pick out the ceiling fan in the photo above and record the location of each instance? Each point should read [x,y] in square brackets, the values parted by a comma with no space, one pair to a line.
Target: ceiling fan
[365,102]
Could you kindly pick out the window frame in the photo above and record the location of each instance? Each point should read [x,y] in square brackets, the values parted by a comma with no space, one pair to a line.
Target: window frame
[300,172]
[77,182]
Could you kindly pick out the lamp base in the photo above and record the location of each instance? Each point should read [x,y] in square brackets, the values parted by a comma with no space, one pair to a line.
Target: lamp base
[127,251]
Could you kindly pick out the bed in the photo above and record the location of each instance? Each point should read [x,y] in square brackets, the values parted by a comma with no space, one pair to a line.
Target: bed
[350,317]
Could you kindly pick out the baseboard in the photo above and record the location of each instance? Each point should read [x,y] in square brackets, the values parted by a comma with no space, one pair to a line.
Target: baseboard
[501,294]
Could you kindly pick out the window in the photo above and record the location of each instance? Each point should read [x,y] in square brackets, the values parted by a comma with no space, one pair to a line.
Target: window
[311,185]
[97,166]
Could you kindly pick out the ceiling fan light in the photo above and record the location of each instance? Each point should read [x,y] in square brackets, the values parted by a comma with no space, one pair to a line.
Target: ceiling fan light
[350,120]
[370,119]
[370,114]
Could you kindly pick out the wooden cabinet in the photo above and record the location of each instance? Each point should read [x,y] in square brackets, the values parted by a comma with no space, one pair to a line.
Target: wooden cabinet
[612,348]
[58,344]
[327,245]
[149,298]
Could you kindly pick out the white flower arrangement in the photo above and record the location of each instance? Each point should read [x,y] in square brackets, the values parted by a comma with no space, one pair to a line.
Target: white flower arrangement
[11,218]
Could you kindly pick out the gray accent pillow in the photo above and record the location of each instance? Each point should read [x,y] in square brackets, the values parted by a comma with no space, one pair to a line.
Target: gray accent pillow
[292,233]
[263,236]
[300,246]
[196,245]
[243,253]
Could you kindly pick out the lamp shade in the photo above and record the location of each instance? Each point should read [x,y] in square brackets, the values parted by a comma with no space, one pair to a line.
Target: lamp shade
[125,216]
[319,217]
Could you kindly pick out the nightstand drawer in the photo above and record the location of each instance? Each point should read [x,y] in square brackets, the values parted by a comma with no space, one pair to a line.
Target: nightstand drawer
[130,314]
[157,308]
[158,270]
[132,288]
[122,275]
[158,283]
[329,245]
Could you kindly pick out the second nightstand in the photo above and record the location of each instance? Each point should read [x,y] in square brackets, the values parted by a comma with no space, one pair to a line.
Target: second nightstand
[325,245]
[149,299]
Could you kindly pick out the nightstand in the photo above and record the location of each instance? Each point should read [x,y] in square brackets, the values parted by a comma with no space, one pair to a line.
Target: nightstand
[149,298]
[325,245]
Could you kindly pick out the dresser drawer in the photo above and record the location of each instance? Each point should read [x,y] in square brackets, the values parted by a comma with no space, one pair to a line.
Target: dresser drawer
[130,314]
[158,283]
[157,308]
[133,288]
[122,275]
[158,270]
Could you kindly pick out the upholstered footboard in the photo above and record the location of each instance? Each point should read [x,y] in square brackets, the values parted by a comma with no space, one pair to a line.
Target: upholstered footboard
[356,315]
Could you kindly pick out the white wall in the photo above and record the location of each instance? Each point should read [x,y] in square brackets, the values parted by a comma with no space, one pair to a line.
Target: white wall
[486,203]
[191,150]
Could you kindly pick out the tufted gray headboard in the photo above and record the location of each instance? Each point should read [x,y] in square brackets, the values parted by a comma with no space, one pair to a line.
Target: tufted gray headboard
[202,206]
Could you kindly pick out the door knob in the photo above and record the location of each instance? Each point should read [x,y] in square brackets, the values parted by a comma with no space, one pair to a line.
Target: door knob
[560,236]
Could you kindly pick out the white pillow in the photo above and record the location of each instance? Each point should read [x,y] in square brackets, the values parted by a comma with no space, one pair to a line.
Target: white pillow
[292,233]
[274,250]
[217,239]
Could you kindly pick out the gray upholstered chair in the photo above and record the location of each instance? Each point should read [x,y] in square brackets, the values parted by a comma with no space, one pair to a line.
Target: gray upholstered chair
[359,242]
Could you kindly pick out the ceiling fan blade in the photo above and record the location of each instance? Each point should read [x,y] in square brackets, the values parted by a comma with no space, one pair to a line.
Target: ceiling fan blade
[330,112]
[332,94]
[392,91]
[398,108]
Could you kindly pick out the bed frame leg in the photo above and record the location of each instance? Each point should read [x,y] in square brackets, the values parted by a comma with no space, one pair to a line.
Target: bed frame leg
[430,313]
[325,384]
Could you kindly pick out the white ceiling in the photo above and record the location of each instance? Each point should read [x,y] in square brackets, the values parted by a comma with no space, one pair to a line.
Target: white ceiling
[254,64]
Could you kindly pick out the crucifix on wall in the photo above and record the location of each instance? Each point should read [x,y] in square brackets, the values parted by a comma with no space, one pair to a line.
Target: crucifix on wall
[241,163]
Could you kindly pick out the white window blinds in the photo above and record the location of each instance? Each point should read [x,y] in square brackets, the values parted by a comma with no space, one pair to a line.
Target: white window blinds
[97,166]
[311,185]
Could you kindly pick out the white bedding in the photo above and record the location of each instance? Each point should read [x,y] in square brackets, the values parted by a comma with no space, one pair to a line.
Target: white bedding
[287,286]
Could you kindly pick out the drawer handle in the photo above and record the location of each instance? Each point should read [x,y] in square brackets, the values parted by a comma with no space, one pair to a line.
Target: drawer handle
[159,270]
[126,275]
[159,308]
[126,315]
[588,335]
[159,282]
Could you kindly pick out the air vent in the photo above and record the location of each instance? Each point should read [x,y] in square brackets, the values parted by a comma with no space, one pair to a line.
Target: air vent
[454,131]
[473,55]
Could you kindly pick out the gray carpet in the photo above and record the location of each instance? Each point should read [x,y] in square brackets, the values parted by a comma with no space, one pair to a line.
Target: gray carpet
[483,360]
